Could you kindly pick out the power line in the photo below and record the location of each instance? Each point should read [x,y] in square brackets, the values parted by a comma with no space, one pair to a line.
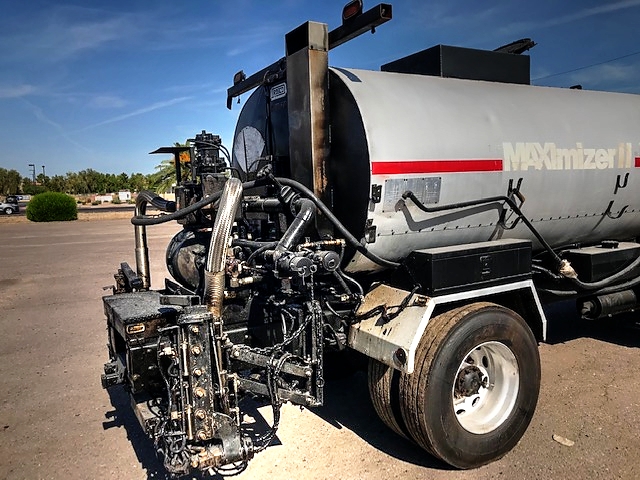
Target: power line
[588,66]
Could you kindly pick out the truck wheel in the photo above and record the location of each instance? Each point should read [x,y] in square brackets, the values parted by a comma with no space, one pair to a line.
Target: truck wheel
[385,395]
[475,385]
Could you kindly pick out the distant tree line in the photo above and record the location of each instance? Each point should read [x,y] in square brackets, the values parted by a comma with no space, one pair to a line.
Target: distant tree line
[87,181]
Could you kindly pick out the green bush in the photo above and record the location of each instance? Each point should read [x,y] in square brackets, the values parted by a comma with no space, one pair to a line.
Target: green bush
[116,201]
[52,207]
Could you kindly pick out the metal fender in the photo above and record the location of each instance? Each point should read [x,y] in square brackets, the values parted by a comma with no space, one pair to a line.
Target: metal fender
[391,321]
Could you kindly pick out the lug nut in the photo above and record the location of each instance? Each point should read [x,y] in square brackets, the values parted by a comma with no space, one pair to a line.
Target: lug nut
[196,350]
[197,372]
[202,435]
[200,414]
[195,329]
[199,392]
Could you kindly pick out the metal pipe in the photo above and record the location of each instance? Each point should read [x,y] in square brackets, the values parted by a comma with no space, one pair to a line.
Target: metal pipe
[607,305]
[140,233]
[142,249]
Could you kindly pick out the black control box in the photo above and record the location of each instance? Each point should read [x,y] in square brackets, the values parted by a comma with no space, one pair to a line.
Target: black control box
[456,268]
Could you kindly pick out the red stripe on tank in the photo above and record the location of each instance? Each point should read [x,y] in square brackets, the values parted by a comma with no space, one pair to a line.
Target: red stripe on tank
[436,166]
[638,162]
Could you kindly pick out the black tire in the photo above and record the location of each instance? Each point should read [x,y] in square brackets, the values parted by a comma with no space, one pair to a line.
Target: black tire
[446,370]
[384,390]
[8,211]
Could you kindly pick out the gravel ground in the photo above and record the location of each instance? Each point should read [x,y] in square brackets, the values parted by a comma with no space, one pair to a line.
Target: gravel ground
[56,421]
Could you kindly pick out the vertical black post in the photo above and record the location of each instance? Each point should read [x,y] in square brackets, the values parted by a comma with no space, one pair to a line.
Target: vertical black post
[308,103]
[176,160]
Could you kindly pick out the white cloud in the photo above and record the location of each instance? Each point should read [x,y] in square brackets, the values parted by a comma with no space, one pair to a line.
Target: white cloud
[107,101]
[65,31]
[519,27]
[195,87]
[42,117]
[139,111]
[606,74]
[16,91]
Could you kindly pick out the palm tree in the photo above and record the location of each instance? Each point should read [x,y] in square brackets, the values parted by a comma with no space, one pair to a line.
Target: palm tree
[164,178]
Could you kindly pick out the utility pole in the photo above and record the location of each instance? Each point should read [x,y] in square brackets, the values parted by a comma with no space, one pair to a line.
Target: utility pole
[43,171]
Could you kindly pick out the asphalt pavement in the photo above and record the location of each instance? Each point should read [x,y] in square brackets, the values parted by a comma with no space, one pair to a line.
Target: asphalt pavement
[57,422]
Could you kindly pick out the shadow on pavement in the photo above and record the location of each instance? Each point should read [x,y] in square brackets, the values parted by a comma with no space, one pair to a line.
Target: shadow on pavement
[122,416]
[254,425]
[347,404]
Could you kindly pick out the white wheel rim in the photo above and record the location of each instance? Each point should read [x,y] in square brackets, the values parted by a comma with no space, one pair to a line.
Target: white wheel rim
[485,387]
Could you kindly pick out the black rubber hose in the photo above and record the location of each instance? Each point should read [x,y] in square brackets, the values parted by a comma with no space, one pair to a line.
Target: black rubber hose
[306,212]
[612,289]
[183,212]
[471,203]
[344,276]
[261,250]
[605,282]
[157,201]
[353,241]
[243,242]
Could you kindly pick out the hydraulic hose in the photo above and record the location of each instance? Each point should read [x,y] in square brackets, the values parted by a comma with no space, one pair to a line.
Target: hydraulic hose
[605,282]
[611,289]
[601,287]
[157,201]
[241,242]
[306,212]
[141,220]
[500,198]
[353,241]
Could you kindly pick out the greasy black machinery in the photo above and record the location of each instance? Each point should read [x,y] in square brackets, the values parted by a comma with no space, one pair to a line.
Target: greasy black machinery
[410,216]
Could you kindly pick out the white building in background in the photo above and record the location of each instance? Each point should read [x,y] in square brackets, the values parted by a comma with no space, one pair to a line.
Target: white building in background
[104,198]
[124,195]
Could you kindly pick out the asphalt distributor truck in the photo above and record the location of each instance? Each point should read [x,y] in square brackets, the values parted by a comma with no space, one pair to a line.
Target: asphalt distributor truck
[417,215]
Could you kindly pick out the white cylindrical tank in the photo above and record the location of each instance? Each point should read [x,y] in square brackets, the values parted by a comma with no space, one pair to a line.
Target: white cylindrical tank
[574,153]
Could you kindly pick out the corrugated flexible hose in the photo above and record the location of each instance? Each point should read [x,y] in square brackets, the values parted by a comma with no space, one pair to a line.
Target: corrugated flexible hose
[220,241]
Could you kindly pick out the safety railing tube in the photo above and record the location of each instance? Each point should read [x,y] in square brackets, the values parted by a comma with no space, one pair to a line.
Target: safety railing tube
[142,249]
[220,241]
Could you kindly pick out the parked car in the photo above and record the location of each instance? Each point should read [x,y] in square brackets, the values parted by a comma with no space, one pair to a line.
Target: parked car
[9,208]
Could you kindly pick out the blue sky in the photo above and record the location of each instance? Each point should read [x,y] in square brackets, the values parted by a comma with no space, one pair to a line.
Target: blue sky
[86,84]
